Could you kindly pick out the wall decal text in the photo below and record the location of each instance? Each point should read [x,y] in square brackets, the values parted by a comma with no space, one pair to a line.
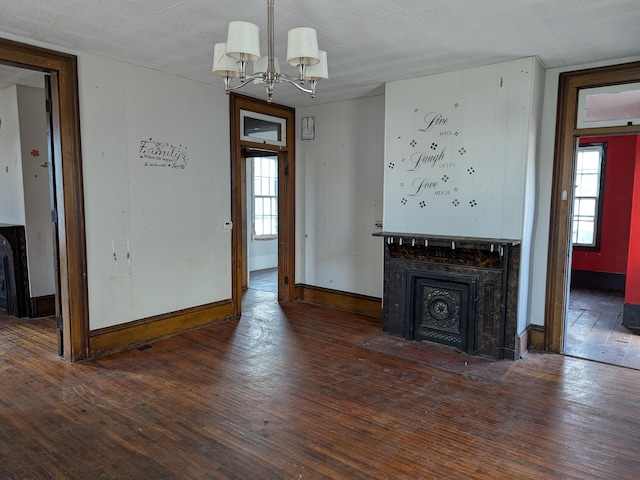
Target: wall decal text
[163,154]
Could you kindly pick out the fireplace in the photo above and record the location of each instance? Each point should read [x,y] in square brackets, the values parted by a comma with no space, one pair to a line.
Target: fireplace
[441,306]
[455,291]
[14,277]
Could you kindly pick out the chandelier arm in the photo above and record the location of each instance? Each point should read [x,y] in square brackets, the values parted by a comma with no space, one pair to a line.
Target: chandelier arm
[247,80]
[270,76]
[295,84]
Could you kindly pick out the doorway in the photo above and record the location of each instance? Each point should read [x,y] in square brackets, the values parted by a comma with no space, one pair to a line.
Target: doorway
[68,216]
[601,220]
[28,246]
[262,215]
[567,134]
[244,146]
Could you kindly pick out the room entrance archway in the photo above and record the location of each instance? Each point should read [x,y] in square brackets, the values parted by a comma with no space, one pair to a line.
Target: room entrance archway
[67,181]
[567,135]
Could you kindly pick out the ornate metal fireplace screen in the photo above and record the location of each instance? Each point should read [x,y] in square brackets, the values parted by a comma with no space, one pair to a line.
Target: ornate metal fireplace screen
[452,290]
[442,308]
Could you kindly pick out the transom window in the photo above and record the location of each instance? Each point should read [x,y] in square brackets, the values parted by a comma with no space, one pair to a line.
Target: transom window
[265,197]
[587,203]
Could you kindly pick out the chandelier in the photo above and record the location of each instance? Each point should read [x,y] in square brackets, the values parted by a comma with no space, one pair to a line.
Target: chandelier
[230,59]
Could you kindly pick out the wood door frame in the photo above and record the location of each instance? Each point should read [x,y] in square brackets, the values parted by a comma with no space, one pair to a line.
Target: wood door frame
[567,135]
[67,166]
[286,198]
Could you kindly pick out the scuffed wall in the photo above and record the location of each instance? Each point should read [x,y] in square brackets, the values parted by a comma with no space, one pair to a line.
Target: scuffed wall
[157,190]
[339,178]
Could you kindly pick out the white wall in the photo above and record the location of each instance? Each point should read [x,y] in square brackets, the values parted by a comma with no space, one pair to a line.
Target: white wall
[339,181]
[537,291]
[456,151]
[530,199]
[157,190]
[460,156]
[11,185]
[170,220]
[37,197]
[263,254]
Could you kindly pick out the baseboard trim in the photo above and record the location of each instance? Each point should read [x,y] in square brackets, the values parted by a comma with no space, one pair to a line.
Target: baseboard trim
[140,332]
[536,337]
[631,315]
[43,306]
[598,280]
[351,302]
[522,344]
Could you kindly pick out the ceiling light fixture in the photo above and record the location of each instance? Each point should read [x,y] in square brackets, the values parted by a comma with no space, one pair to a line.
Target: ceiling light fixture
[230,59]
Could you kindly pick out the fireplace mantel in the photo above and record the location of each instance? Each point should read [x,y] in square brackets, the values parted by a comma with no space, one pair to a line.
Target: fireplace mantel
[460,291]
[445,241]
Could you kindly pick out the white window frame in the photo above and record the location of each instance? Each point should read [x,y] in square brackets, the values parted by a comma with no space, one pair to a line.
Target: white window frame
[577,216]
[264,190]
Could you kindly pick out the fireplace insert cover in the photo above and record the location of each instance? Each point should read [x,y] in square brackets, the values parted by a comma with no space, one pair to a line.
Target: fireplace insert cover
[442,308]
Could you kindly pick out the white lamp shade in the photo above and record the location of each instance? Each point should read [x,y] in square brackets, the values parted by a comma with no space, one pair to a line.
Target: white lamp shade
[243,37]
[302,47]
[224,65]
[319,71]
[261,65]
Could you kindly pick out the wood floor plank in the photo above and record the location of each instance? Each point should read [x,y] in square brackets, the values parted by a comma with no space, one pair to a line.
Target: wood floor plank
[305,392]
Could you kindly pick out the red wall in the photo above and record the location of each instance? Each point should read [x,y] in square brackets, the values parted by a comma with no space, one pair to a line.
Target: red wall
[616,216]
[632,290]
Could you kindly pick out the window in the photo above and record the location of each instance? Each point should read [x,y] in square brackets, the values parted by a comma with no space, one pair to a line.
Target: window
[260,128]
[587,203]
[265,197]
[609,106]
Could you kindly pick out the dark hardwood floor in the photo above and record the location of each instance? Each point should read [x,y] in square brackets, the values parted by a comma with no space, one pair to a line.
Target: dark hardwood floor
[595,330]
[306,392]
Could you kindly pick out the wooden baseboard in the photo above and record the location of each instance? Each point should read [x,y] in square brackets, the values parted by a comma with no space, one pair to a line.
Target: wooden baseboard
[351,302]
[43,306]
[536,337]
[140,332]
[522,344]
[531,338]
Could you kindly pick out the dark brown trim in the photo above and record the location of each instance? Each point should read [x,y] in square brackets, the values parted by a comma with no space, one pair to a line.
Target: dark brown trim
[567,135]
[535,334]
[286,198]
[147,330]
[43,306]
[68,184]
[351,302]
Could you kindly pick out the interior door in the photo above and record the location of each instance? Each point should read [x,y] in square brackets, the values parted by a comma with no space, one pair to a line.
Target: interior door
[54,214]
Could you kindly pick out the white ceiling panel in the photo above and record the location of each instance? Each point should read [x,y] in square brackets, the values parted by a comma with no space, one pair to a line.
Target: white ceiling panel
[369,42]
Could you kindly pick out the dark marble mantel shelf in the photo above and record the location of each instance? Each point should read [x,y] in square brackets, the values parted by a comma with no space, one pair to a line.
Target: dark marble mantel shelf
[445,241]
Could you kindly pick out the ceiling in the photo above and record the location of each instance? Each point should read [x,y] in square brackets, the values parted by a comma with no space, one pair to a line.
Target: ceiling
[369,42]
